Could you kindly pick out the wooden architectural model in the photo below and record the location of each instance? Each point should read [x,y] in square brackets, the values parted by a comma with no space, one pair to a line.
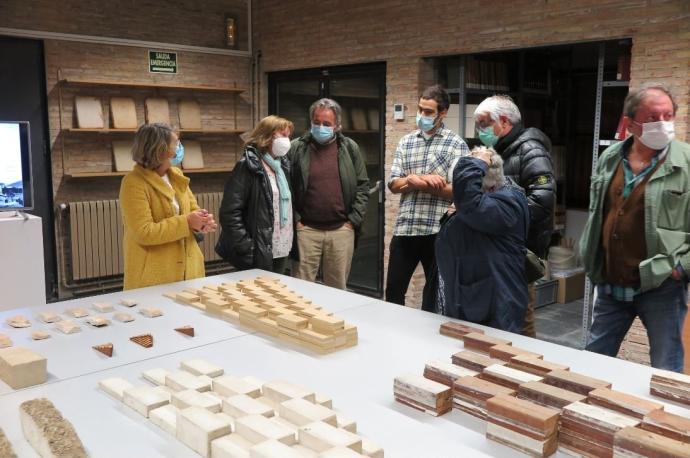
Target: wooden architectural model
[48,432]
[423,394]
[67,327]
[19,321]
[6,450]
[40,335]
[637,443]
[106,349]
[77,312]
[457,330]
[670,385]
[241,416]
[268,306]
[186,330]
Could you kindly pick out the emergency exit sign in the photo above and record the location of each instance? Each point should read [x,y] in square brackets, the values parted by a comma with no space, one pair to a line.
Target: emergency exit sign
[162,62]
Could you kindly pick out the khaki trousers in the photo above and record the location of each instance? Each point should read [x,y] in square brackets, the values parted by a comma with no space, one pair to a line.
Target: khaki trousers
[528,328]
[332,250]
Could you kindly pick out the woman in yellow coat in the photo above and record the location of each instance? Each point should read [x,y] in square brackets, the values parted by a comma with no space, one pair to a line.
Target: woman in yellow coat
[160,214]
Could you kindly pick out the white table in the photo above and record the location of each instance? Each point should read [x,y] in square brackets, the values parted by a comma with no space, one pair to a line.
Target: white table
[392,340]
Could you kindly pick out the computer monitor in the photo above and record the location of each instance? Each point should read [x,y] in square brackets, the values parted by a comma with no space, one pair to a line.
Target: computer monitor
[16,185]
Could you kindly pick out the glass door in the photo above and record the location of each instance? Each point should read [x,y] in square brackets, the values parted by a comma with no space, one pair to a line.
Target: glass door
[360,90]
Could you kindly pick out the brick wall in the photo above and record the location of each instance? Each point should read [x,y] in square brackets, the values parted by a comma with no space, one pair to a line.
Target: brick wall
[402,33]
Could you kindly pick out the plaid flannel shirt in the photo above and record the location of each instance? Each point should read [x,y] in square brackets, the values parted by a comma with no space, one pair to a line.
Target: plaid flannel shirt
[420,212]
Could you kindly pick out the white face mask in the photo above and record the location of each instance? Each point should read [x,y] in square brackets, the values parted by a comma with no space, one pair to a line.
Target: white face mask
[656,135]
[281,145]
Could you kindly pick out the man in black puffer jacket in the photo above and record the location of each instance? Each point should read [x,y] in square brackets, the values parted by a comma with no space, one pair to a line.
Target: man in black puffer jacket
[527,160]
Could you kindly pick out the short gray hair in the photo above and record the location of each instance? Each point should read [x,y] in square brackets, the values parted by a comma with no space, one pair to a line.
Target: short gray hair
[636,96]
[329,104]
[494,177]
[499,105]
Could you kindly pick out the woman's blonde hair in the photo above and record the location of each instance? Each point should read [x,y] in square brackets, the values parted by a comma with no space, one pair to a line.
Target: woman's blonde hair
[263,133]
[152,144]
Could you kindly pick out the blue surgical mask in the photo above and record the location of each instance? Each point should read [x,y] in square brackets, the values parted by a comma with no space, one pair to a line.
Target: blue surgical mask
[321,134]
[425,123]
[179,155]
[487,136]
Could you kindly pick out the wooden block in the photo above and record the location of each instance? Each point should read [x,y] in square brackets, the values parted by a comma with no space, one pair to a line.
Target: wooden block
[49,317]
[5,341]
[143,399]
[6,450]
[511,378]
[667,424]
[521,442]
[129,302]
[534,365]
[68,327]
[89,112]
[187,298]
[186,330]
[257,428]
[507,352]
[446,373]
[670,385]
[187,398]
[123,113]
[471,393]
[315,338]
[292,321]
[201,367]
[343,422]
[241,405]
[145,340]
[48,432]
[543,420]
[122,156]
[370,449]
[181,380]
[340,452]
[230,446]
[573,381]
[97,321]
[123,317]
[197,427]
[626,404]
[151,312]
[253,311]
[273,449]
[635,442]
[38,335]
[457,330]
[105,348]
[302,412]
[21,367]
[423,394]
[193,157]
[474,361]
[280,391]
[323,400]
[481,343]
[115,386]
[156,376]
[165,418]
[548,395]
[229,385]
[103,307]
[321,436]
[18,321]
[157,110]
[77,312]
[326,324]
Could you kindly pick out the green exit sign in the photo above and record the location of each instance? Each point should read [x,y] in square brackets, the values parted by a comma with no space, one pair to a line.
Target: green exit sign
[162,62]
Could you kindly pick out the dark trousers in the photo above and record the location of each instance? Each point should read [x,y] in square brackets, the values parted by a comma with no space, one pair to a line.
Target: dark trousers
[405,253]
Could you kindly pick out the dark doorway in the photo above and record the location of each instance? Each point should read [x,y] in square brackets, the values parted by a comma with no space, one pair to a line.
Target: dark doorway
[361,91]
[23,98]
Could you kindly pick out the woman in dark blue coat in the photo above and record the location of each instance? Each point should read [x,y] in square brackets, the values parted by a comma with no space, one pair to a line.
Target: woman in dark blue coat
[480,249]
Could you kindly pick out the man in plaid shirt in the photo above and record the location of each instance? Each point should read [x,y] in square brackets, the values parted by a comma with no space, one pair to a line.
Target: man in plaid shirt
[422,172]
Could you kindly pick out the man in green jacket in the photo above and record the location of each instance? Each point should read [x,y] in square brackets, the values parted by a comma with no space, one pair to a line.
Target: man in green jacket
[330,191]
[636,244]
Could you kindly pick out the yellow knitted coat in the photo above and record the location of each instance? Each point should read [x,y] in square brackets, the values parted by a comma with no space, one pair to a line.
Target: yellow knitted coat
[159,246]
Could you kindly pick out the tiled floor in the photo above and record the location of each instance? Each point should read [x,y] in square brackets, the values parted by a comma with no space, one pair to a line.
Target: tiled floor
[560,323]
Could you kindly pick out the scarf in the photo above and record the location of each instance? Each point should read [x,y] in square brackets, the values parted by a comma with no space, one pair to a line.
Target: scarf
[283,188]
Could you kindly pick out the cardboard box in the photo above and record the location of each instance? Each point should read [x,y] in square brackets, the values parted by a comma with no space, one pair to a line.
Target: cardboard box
[571,287]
